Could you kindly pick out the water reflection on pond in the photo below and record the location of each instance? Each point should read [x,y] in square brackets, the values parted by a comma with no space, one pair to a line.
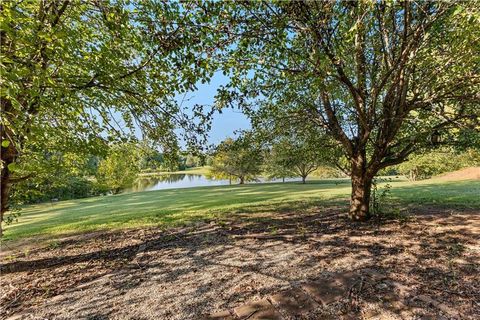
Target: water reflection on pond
[172,181]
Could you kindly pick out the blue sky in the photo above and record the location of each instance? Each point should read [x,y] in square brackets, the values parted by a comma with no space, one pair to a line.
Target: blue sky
[224,124]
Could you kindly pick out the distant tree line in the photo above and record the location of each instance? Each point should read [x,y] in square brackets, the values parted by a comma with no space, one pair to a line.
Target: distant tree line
[433,163]
[290,157]
[66,175]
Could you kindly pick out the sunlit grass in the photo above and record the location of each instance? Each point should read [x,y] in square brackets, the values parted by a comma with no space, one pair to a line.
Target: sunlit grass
[181,206]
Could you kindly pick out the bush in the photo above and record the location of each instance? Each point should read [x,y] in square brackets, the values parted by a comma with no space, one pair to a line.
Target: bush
[430,164]
[60,188]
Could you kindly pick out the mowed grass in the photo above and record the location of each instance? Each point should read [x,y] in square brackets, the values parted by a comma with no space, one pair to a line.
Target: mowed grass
[173,207]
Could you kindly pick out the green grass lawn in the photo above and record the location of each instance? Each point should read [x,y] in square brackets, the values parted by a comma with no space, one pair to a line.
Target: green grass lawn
[178,206]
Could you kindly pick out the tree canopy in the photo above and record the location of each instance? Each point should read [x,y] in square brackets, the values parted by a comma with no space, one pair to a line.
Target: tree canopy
[78,75]
[383,78]
[240,158]
[295,147]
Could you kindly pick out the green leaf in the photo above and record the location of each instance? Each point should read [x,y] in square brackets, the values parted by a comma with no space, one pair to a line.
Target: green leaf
[5,143]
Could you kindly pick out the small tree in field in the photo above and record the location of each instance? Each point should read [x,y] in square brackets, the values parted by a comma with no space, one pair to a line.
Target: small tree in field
[297,156]
[296,147]
[119,169]
[240,158]
[274,167]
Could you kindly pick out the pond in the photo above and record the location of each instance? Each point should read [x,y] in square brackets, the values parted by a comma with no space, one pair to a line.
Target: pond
[173,181]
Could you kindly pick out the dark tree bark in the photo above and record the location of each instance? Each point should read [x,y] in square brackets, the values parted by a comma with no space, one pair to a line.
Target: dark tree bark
[8,156]
[242,180]
[4,190]
[361,188]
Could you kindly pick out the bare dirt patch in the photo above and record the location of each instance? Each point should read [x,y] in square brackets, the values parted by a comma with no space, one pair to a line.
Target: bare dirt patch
[427,267]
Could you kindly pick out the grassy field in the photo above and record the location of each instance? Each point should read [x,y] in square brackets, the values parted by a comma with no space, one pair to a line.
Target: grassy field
[179,206]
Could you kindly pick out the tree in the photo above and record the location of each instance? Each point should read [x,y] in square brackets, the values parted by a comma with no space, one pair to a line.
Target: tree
[57,176]
[208,160]
[297,156]
[79,75]
[296,147]
[192,161]
[383,78]
[240,158]
[120,168]
[151,159]
[274,167]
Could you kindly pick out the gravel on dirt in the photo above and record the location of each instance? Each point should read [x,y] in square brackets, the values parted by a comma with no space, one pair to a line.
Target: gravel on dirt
[431,261]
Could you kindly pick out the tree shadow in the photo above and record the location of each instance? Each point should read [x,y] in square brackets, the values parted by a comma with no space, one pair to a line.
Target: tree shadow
[212,266]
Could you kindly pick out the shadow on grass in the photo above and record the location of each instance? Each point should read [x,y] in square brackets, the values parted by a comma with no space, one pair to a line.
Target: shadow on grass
[176,206]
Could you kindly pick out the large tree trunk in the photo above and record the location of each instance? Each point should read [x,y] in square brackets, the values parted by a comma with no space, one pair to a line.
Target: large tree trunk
[4,190]
[242,180]
[361,185]
[304,178]
[8,155]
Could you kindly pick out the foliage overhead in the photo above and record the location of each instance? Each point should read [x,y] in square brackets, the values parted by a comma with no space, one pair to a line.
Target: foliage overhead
[386,71]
